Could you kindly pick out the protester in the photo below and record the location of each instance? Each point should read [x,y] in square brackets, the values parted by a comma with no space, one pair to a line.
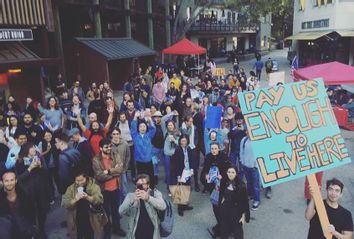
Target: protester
[71,116]
[53,114]
[95,133]
[340,219]
[16,210]
[32,173]
[142,134]
[83,146]
[158,144]
[120,147]
[141,209]
[12,156]
[10,130]
[248,168]
[82,199]
[69,160]
[268,67]
[49,153]
[34,133]
[181,162]
[233,203]
[218,161]
[4,151]
[124,126]
[258,66]
[108,166]
[189,129]
[236,134]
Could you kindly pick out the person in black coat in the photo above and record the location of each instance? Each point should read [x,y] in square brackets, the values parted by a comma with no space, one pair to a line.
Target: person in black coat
[198,122]
[182,160]
[4,150]
[219,159]
[234,209]
[32,173]
[16,222]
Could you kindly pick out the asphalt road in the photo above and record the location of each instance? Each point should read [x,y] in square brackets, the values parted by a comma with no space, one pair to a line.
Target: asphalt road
[281,217]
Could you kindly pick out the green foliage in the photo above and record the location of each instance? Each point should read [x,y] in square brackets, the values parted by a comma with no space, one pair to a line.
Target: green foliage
[257,8]
[282,13]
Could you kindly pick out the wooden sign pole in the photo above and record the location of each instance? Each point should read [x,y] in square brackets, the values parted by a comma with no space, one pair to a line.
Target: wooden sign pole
[320,207]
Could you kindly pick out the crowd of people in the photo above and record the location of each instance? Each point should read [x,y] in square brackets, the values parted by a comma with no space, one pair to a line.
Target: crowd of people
[89,156]
[339,96]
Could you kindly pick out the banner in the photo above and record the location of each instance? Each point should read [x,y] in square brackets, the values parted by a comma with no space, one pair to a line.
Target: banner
[276,77]
[213,117]
[293,131]
[219,71]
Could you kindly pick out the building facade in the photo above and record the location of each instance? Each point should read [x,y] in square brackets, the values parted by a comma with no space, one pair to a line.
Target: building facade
[323,31]
[147,22]
[222,30]
[28,52]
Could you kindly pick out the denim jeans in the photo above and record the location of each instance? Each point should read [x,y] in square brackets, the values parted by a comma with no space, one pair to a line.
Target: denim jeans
[235,158]
[110,204]
[158,153]
[167,166]
[252,177]
[123,186]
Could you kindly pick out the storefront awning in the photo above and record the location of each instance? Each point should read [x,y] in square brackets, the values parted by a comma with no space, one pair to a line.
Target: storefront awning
[117,48]
[308,35]
[15,54]
[346,33]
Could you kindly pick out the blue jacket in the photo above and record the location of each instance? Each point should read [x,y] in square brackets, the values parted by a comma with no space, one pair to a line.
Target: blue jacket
[142,144]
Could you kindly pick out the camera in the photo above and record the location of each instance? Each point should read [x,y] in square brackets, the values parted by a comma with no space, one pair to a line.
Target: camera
[140,186]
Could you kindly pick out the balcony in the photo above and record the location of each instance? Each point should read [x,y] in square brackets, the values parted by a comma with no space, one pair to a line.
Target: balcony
[112,4]
[79,2]
[222,28]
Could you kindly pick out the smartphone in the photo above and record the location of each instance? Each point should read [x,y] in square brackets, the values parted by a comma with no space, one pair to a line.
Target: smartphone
[140,186]
[27,161]
[80,190]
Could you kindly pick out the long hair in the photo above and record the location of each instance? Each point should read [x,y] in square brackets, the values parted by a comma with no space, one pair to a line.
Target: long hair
[25,150]
[56,102]
[237,183]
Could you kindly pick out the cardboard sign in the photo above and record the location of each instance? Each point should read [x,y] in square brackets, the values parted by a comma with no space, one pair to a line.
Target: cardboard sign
[293,131]
[213,117]
[276,77]
[219,71]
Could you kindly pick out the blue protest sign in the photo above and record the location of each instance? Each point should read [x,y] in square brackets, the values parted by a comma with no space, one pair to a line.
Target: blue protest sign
[213,117]
[293,131]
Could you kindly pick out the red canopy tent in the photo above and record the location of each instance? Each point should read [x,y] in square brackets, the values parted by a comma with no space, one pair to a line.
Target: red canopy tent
[184,47]
[333,73]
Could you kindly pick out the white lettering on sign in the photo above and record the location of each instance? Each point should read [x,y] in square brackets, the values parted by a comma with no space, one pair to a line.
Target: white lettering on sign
[15,34]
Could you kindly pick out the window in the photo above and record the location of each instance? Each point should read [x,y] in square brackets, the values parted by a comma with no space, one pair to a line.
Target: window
[223,13]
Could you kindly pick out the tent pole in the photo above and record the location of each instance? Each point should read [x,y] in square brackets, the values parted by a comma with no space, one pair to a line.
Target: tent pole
[198,64]
[162,58]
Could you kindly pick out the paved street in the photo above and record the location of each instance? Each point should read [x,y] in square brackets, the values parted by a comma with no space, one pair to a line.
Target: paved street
[281,217]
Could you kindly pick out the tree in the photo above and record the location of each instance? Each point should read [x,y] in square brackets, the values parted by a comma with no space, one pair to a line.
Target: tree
[282,12]
[181,24]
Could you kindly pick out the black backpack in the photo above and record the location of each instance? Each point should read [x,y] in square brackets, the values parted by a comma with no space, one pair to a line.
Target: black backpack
[165,218]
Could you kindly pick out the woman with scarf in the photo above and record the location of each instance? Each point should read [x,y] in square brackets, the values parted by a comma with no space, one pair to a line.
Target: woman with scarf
[182,166]
[169,126]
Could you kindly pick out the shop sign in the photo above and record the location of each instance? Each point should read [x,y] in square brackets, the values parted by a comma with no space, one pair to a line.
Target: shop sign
[16,35]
